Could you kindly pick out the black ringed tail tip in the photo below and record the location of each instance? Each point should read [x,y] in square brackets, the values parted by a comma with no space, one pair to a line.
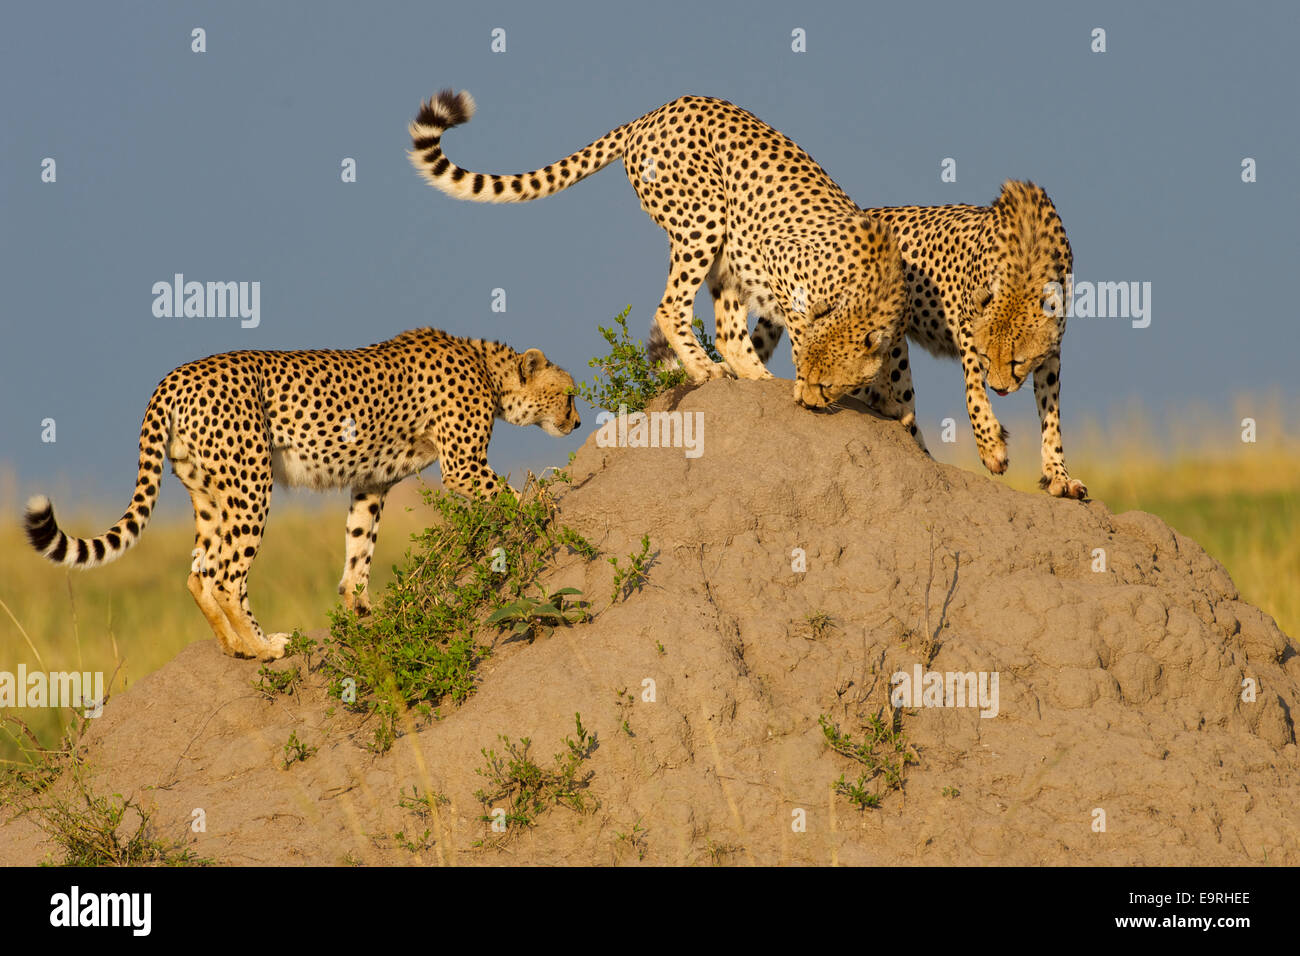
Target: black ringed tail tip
[445,110]
[39,523]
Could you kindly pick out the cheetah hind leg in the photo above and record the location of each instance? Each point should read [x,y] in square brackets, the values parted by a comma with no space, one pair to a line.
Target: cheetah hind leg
[206,558]
[689,269]
[230,588]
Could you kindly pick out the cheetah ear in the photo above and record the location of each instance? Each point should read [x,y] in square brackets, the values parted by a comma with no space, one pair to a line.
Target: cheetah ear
[530,363]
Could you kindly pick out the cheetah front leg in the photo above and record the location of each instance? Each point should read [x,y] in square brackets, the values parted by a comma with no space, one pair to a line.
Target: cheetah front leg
[730,316]
[895,398]
[990,436]
[1056,479]
[362,531]
[462,458]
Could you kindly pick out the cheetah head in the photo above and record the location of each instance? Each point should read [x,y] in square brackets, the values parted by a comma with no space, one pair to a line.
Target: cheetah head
[1015,329]
[847,348]
[537,392]
[1018,317]
[841,358]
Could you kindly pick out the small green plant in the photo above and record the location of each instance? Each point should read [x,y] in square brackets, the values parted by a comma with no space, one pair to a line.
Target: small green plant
[420,646]
[951,792]
[629,380]
[577,543]
[883,751]
[416,845]
[627,580]
[272,682]
[660,648]
[300,645]
[720,852]
[532,616]
[97,830]
[857,793]
[633,840]
[423,805]
[296,751]
[528,788]
[625,701]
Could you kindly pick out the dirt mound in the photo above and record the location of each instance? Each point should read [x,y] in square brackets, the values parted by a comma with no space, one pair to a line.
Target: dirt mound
[800,561]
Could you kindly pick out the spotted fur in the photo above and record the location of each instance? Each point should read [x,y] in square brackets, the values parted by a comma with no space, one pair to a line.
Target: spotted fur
[363,419]
[747,212]
[987,286]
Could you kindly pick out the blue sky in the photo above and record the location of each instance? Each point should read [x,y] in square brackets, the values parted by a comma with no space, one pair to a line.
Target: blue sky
[225,165]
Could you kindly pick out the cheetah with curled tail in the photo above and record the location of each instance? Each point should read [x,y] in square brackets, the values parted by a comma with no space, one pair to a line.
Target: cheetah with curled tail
[987,285]
[747,212]
[364,419]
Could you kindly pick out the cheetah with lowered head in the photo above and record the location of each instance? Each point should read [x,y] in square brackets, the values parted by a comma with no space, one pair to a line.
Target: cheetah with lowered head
[750,213]
[361,419]
[987,285]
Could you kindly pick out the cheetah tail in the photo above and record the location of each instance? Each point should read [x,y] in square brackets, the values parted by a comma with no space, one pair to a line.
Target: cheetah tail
[449,109]
[658,350]
[58,547]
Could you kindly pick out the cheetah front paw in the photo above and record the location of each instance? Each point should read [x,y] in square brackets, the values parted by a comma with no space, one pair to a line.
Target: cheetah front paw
[275,646]
[707,373]
[746,365]
[1066,487]
[994,455]
[360,603]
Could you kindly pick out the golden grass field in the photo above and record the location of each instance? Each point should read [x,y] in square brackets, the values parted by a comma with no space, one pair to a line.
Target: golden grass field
[1241,502]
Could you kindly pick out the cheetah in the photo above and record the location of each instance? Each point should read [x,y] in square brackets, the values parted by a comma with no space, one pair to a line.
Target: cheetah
[363,419]
[987,285]
[746,211]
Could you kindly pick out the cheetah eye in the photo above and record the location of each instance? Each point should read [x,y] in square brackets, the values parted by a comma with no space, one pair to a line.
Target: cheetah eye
[867,341]
[982,298]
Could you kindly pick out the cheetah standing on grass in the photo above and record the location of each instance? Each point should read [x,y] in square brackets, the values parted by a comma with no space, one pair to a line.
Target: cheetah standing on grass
[750,213]
[363,419]
[987,285]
